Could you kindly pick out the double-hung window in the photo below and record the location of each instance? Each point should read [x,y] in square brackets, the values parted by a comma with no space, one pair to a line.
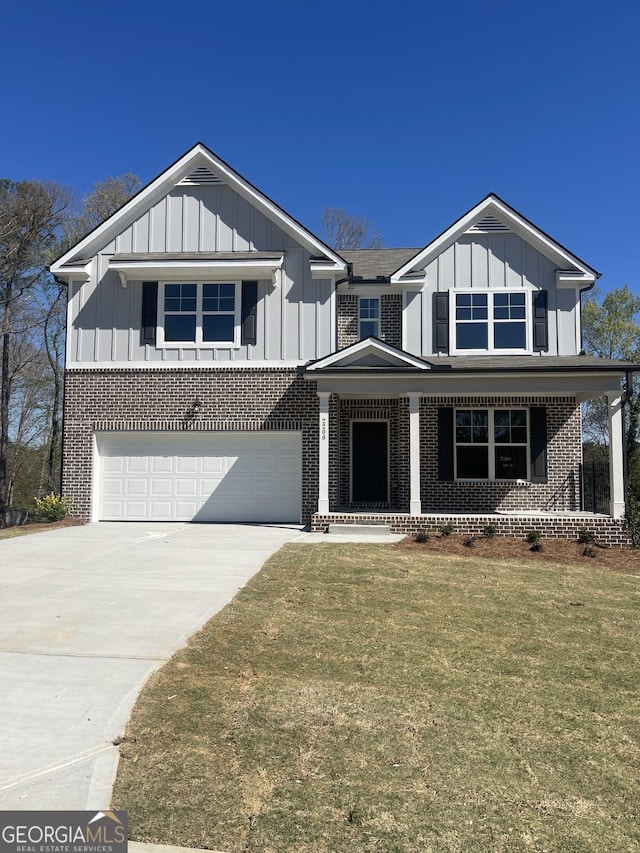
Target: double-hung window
[368,317]
[201,313]
[491,444]
[491,321]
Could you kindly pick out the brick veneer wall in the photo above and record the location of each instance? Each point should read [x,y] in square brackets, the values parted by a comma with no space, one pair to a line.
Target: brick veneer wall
[390,319]
[158,400]
[392,411]
[564,454]
[608,531]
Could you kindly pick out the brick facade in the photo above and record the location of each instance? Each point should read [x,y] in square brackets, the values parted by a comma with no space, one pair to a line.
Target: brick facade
[560,493]
[282,399]
[158,400]
[390,319]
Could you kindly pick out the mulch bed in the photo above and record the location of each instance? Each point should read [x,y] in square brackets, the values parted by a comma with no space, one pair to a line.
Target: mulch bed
[625,560]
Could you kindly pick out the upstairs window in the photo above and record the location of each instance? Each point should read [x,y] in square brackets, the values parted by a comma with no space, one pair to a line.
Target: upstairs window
[368,317]
[491,321]
[202,313]
[491,444]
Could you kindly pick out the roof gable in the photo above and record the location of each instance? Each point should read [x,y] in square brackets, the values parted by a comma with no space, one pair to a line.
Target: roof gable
[369,353]
[197,166]
[493,215]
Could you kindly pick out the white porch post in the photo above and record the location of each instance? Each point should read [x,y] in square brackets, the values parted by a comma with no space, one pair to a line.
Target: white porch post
[415,505]
[616,458]
[323,455]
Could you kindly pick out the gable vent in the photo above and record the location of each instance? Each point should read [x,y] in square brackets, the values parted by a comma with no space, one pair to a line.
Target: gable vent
[489,225]
[200,176]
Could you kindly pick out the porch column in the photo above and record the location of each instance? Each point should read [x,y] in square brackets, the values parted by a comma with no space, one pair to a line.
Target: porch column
[616,454]
[415,505]
[323,452]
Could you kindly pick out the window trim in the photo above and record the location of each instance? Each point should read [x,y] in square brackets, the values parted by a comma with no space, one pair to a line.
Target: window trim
[490,293]
[368,320]
[491,445]
[199,343]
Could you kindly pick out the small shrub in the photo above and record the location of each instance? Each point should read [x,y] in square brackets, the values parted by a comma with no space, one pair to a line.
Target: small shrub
[533,537]
[489,531]
[421,537]
[632,518]
[469,542]
[446,530]
[537,547]
[585,536]
[52,507]
[589,551]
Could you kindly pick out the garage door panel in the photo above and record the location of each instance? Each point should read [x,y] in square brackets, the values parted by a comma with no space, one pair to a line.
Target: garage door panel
[249,476]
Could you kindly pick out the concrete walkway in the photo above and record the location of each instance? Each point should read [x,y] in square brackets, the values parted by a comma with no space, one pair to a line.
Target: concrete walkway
[86,614]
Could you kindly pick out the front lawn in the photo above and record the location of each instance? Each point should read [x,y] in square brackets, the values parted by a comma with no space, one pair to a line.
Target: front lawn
[369,698]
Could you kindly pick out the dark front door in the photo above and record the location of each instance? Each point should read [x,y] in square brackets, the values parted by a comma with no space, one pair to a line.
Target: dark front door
[369,461]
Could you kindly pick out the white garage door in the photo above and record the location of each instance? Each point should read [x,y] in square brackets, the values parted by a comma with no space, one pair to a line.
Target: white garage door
[206,476]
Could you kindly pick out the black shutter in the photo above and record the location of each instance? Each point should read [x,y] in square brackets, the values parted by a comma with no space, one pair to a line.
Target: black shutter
[149,312]
[540,322]
[441,322]
[538,442]
[248,312]
[445,444]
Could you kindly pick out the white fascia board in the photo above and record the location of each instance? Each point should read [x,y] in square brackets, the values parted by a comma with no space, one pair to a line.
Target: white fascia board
[396,358]
[570,279]
[137,366]
[517,223]
[173,269]
[196,156]
[77,272]
[323,269]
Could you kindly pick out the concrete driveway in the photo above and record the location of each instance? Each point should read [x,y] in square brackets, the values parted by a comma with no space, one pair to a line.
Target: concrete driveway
[86,614]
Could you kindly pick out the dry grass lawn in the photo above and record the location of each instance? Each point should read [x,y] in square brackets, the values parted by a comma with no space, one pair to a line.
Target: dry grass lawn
[369,698]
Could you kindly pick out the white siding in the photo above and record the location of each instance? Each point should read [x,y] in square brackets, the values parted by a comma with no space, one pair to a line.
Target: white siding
[106,327]
[489,261]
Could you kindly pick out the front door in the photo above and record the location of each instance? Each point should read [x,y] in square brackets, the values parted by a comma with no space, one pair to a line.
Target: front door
[369,461]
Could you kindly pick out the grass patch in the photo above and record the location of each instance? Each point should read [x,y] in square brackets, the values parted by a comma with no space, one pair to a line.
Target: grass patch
[364,698]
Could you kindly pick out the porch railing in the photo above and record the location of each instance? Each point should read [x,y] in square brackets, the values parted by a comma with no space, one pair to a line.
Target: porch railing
[594,487]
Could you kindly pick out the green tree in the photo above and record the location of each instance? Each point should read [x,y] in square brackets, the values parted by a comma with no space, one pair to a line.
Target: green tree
[611,329]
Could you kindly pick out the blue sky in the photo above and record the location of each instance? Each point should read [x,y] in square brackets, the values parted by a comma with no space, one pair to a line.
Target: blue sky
[406,114]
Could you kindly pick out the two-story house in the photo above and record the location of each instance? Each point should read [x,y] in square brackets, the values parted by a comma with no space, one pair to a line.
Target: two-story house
[224,364]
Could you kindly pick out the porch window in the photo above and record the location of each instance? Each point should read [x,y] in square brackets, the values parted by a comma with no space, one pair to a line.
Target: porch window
[368,317]
[201,313]
[491,444]
[491,321]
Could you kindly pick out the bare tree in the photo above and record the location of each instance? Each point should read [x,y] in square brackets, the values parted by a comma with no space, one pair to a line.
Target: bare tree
[106,197]
[345,231]
[31,215]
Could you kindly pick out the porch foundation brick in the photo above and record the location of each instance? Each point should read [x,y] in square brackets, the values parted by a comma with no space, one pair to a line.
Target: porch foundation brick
[609,532]
[158,400]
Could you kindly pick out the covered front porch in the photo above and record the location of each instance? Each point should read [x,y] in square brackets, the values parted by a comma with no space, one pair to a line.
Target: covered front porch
[469,442]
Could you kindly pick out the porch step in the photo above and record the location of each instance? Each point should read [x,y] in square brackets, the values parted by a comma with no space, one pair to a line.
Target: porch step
[360,529]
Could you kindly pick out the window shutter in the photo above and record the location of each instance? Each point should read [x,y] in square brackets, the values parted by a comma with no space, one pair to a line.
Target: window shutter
[149,311]
[441,322]
[538,442]
[540,322]
[248,312]
[445,444]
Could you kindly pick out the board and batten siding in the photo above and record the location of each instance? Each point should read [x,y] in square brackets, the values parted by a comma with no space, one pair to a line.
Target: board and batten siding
[294,315]
[496,261]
